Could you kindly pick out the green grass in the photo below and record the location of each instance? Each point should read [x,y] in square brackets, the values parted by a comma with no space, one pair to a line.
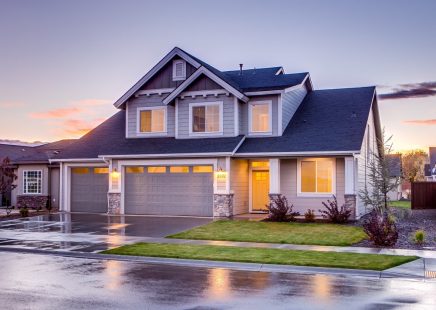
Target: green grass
[263,255]
[400,203]
[269,232]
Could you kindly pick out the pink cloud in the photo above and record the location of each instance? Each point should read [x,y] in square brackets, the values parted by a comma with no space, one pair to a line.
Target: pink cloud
[91,102]
[78,128]
[56,113]
[421,122]
[11,104]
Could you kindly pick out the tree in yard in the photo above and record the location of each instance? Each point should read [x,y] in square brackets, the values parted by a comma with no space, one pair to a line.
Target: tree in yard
[7,177]
[413,163]
[379,181]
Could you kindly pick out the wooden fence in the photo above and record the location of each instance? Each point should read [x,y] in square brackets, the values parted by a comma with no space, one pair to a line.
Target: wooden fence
[424,195]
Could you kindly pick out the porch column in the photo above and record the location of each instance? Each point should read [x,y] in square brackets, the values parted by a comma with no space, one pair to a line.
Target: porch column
[223,195]
[274,176]
[350,184]
[114,193]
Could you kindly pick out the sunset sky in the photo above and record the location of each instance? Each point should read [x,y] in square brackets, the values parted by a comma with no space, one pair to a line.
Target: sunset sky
[64,63]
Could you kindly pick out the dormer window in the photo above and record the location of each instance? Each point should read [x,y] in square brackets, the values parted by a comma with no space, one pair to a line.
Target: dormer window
[151,120]
[179,70]
[260,117]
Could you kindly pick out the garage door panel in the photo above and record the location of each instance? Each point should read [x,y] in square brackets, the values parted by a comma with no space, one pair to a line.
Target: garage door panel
[169,193]
[89,191]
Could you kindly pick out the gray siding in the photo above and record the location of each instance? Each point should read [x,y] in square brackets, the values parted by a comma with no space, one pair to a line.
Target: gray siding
[288,186]
[243,115]
[239,185]
[54,187]
[290,102]
[228,115]
[150,101]
[203,83]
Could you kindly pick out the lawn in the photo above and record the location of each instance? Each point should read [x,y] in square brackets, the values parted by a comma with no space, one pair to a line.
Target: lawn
[291,233]
[400,204]
[263,255]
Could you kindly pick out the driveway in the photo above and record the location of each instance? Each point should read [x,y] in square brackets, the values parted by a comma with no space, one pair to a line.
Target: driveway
[89,232]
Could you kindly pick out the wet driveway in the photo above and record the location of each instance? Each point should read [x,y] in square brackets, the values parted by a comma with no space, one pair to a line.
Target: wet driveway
[30,281]
[89,232]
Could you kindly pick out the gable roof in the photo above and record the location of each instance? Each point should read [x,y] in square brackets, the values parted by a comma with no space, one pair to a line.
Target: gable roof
[327,121]
[14,151]
[394,162]
[108,139]
[432,156]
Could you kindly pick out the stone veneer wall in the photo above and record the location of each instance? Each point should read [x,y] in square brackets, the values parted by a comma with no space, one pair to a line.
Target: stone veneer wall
[223,205]
[32,201]
[114,203]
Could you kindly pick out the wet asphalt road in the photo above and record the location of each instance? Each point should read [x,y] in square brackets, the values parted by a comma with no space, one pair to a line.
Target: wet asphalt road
[31,281]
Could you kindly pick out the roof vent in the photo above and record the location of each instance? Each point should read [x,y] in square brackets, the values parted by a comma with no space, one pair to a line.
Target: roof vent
[240,68]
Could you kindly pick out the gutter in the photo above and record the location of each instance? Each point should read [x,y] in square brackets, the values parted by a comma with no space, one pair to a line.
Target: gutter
[172,155]
[298,154]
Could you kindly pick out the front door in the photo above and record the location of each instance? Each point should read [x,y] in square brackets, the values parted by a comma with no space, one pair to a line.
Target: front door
[259,190]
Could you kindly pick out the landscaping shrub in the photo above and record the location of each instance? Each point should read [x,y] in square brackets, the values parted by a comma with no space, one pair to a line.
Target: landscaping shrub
[335,214]
[419,236]
[24,211]
[279,210]
[309,216]
[381,229]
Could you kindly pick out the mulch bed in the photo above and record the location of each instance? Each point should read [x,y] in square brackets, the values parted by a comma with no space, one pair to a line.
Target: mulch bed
[408,222]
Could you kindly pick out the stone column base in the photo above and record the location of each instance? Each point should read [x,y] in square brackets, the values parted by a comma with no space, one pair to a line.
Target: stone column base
[223,205]
[114,203]
[350,201]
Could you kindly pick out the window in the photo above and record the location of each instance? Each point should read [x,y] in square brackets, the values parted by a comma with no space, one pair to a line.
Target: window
[205,117]
[179,70]
[179,169]
[32,182]
[152,120]
[156,169]
[101,170]
[80,170]
[260,164]
[260,117]
[316,176]
[134,169]
[202,169]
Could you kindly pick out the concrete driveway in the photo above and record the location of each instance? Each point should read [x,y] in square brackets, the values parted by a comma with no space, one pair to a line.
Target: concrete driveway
[89,232]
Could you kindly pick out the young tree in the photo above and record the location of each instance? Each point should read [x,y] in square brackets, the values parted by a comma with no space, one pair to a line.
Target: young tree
[7,177]
[413,163]
[380,183]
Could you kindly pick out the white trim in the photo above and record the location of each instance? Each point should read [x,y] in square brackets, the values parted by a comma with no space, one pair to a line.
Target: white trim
[24,186]
[265,92]
[274,176]
[280,71]
[209,74]
[127,120]
[74,160]
[157,91]
[183,76]
[315,153]
[221,118]
[239,145]
[175,51]
[236,116]
[250,124]
[204,93]
[316,194]
[152,133]
[176,117]
[172,155]
[228,170]
[349,176]
[280,115]
[250,184]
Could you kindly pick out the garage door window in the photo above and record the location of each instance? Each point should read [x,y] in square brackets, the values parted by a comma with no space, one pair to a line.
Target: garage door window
[202,169]
[179,169]
[101,170]
[156,169]
[80,170]
[135,170]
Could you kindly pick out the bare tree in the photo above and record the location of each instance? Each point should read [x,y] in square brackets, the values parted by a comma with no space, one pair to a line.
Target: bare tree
[7,178]
[380,183]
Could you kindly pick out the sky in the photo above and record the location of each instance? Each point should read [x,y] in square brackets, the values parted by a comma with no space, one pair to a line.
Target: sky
[64,63]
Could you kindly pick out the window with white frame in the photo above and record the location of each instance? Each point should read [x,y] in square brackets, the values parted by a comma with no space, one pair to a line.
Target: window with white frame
[316,176]
[32,182]
[206,118]
[179,70]
[260,117]
[152,120]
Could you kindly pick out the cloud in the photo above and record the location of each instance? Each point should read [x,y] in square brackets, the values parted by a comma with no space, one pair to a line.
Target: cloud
[11,104]
[431,122]
[91,102]
[413,90]
[78,128]
[56,113]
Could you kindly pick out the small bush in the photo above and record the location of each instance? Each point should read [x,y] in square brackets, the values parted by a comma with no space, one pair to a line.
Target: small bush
[24,211]
[335,214]
[280,211]
[309,216]
[419,237]
[381,229]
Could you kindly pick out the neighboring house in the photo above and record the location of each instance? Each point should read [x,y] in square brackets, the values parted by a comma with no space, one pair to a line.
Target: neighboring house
[191,140]
[395,170]
[430,169]
[37,178]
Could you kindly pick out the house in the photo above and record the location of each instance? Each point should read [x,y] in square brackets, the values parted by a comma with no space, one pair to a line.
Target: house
[395,170]
[191,140]
[37,178]
[430,168]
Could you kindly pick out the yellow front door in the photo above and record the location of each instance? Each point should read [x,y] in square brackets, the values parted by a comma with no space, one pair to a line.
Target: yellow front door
[259,190]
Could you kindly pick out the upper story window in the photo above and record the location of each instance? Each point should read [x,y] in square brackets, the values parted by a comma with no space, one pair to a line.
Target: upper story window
[316,176]
[152,120]
[179,70]
[206,118]
[260,117]
[32,182]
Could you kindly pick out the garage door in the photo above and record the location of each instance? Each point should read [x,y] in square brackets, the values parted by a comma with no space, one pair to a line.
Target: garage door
[169,190]
[89,187]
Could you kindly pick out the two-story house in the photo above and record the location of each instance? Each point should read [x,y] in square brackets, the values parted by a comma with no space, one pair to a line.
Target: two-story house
[191,140]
